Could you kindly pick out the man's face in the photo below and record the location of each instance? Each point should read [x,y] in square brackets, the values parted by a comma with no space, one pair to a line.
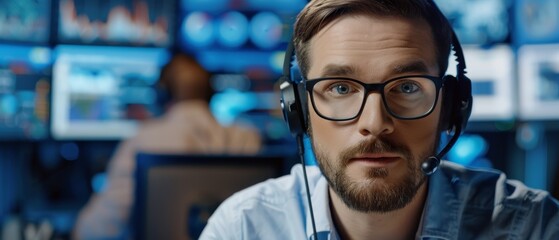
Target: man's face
[372,162]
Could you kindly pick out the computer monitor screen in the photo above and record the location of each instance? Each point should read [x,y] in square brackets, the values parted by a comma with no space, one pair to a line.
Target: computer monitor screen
[117,22]
[536,22]
[25,21]
[539,82]
[238,36]
[102,92]
[24,92]
[176,194]
[480,22]
[493,84]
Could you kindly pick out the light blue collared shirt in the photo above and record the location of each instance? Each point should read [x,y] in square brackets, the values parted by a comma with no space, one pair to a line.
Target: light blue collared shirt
[461,204]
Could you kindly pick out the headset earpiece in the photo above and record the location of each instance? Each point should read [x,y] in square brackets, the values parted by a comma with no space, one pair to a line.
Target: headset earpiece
[293,96]
[466,100]
[457,93]
[291,106]
[449,108]
[457,102]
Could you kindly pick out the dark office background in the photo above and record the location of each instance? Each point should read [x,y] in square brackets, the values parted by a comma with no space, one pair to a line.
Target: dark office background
[76,76]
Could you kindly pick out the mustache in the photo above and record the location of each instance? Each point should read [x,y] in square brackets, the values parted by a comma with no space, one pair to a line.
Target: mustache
[374,146]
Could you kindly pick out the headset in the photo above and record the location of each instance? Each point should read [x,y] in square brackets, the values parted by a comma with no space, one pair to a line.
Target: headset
[456,103]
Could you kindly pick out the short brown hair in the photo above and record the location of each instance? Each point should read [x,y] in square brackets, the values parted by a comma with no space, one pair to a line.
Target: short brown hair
[318,13]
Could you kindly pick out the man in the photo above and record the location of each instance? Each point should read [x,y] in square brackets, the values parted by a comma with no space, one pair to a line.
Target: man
[187,126]
[370,145]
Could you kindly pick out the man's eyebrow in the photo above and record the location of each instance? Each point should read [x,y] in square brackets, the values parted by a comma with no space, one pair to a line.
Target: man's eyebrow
[332,70]
[410,67]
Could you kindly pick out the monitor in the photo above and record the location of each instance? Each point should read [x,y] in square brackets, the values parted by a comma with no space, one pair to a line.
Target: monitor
[493,81]
[102,92]
[536,22]
[25,21]
[238,36]
[479,22]
[176,194]
[117,22]
[25,86]
[539,82]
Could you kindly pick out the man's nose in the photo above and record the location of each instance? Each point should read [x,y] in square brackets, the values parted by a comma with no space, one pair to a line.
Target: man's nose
[375,119]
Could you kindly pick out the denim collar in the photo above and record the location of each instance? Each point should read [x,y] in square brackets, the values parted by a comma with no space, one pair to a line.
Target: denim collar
[441,211]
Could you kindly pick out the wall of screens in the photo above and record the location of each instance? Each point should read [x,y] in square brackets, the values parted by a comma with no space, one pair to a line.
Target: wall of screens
[242,43]
[57,53]
[513,61]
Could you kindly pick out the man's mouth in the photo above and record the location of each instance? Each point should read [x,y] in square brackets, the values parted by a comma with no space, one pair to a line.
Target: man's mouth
[376,159]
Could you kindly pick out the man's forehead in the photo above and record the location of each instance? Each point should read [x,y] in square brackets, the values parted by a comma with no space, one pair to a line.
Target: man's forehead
[417,23]
[391,37]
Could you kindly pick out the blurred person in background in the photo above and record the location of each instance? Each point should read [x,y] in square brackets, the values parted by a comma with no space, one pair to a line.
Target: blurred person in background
[186,127]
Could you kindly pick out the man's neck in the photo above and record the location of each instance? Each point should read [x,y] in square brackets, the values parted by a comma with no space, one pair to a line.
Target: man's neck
[399,224]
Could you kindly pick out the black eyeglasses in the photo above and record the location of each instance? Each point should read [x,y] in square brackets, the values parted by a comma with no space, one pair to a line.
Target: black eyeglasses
[342,99]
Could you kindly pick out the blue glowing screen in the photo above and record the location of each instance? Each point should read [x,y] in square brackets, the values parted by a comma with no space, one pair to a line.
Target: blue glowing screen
[24,92]
[238,36]
[536,21]
[470,150]
[483,88]
[548,87]
[100,92]
[25,21]
[478,21]
[120,22]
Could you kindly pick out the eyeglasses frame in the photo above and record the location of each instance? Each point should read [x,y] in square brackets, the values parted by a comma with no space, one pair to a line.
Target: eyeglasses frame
[374,87]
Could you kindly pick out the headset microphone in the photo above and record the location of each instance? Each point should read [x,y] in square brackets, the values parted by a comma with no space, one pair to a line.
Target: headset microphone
[458,92]
[431,164]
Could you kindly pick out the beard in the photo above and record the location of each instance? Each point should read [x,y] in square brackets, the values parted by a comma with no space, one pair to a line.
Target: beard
[370,195]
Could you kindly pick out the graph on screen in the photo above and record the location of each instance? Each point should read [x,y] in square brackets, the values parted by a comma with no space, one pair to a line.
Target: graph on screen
[25,21]
[122,22]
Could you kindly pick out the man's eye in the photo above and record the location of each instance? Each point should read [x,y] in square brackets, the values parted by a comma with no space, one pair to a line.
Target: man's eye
[341,88]
[408,87]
